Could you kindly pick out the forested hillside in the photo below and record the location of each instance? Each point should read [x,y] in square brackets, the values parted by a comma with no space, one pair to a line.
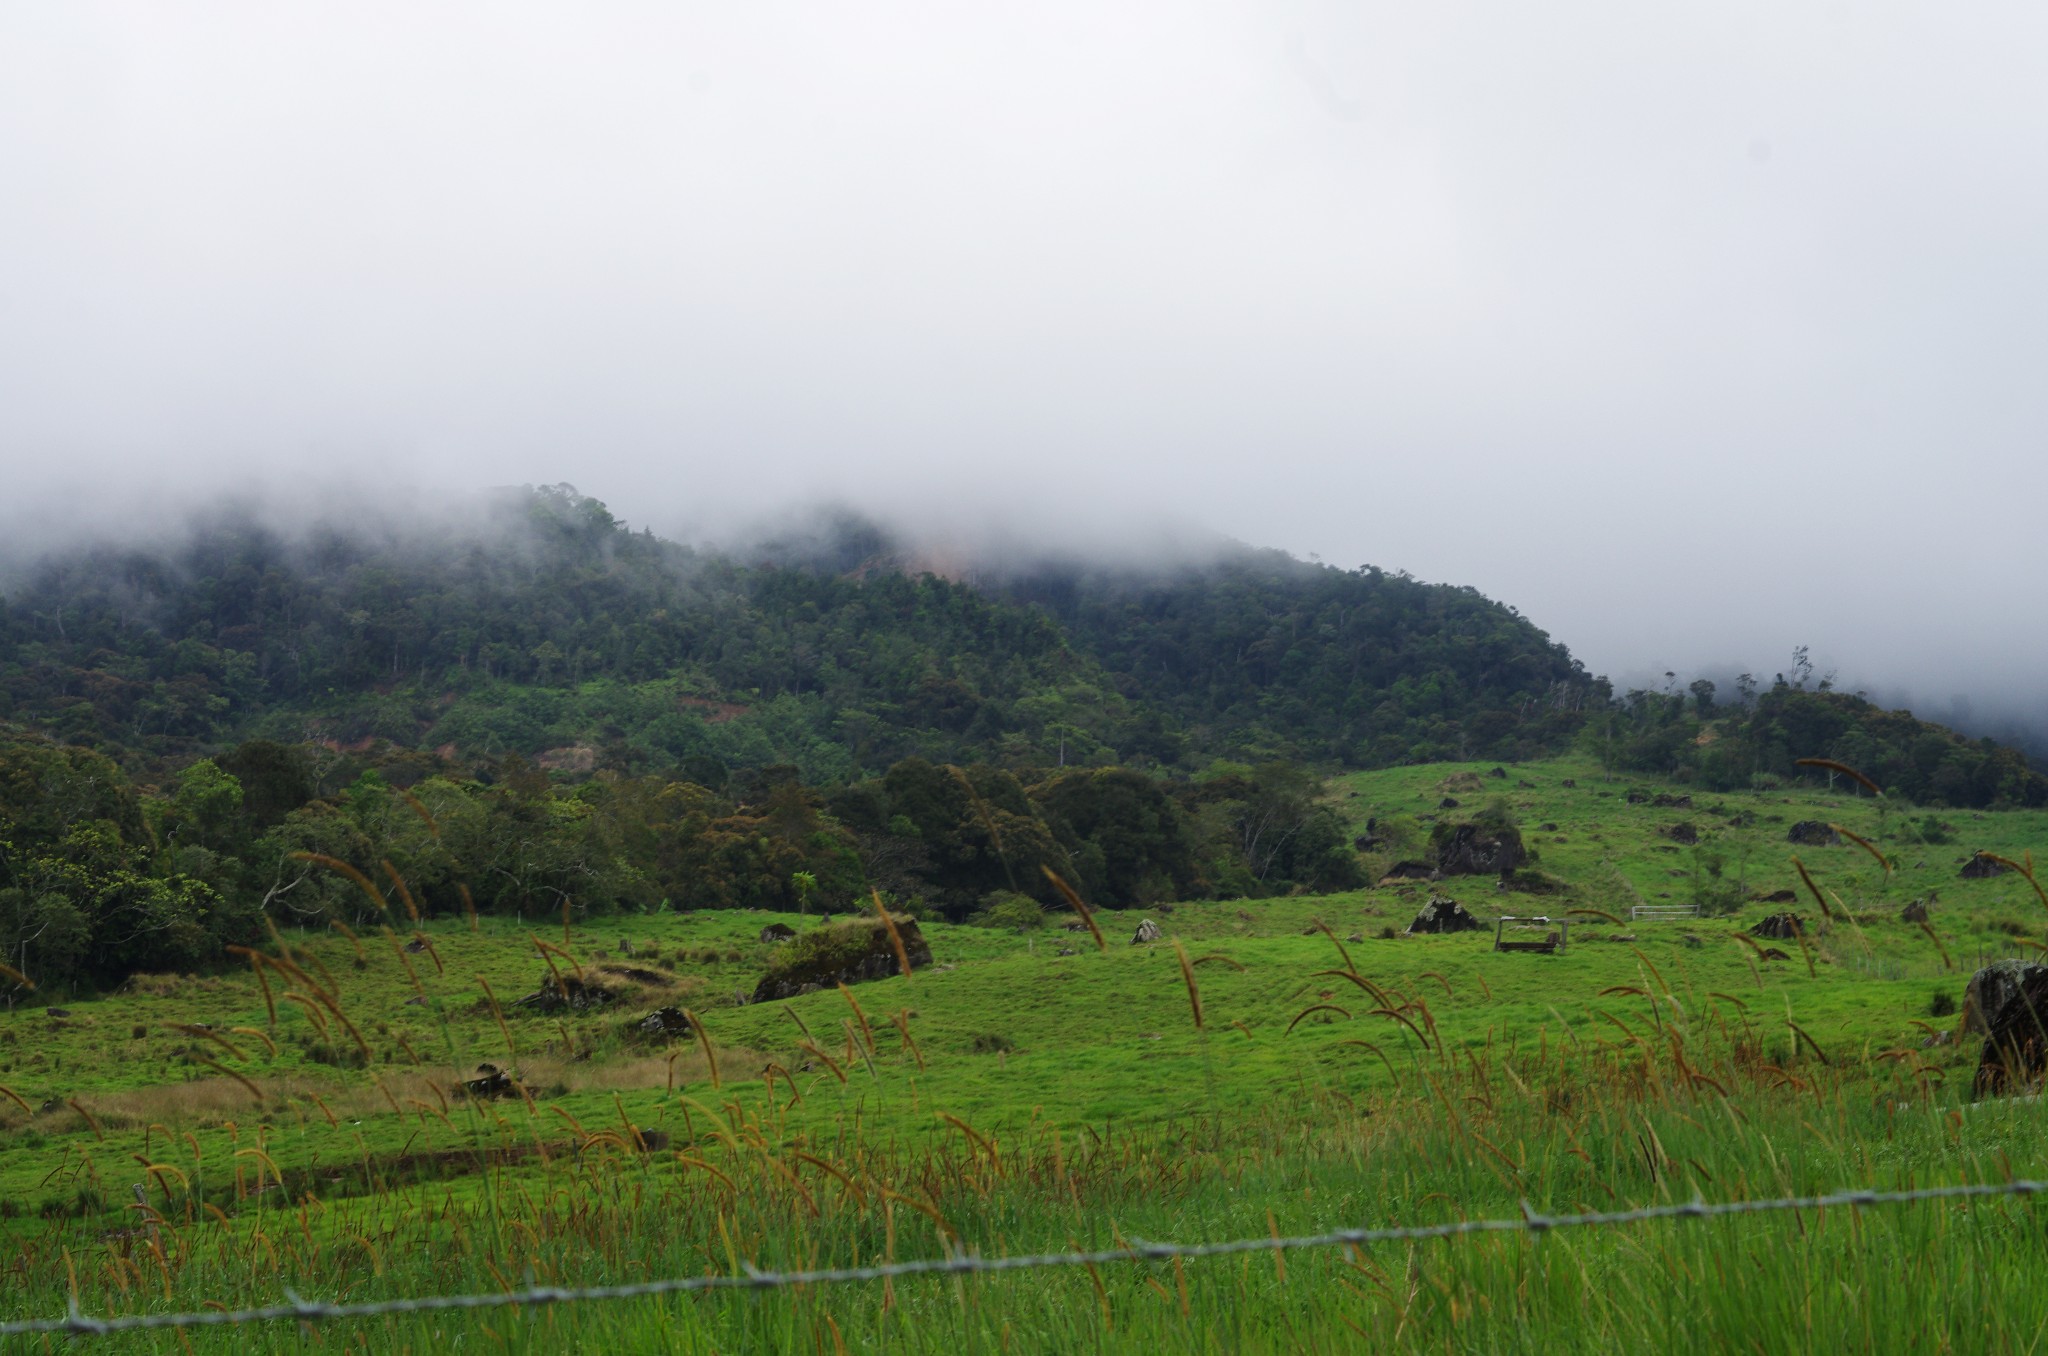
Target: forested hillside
[1271,656]
[1758,738]
[546,625]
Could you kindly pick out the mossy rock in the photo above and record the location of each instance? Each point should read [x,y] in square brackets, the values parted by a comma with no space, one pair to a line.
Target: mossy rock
[841,953]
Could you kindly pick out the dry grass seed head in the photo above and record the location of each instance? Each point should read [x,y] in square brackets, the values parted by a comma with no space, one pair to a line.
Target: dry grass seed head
[1187,977]
[1851,773]
[342,868]
[1074,900]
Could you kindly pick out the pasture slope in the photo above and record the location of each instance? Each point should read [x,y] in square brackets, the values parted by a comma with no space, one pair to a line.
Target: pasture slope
[1031,1092]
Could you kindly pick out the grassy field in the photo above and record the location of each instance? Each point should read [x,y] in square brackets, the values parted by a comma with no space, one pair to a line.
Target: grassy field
[1031,1092]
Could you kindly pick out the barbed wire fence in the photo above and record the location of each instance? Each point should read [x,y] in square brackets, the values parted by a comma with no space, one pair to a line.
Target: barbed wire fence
[1531,1222]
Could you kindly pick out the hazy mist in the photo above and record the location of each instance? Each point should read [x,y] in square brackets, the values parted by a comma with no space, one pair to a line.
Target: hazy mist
[1695,335]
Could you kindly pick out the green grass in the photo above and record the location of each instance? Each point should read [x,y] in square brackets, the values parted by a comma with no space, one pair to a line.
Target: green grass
[1619,1072]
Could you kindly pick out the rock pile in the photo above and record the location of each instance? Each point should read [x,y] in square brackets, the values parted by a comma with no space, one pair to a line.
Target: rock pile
[565,993]
[1784,927]
[1444,914]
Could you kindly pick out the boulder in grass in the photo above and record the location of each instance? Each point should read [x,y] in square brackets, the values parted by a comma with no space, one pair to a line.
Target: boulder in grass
[1444,914]
[1916,912]
[490,1081]
[1482,848]
[1148,931]
[1784,927]
[1686,833]
[777,932]
[843,953]
[1813,833]
[2007,1001]
[1776,897]
[1981,866]
[1992,990]
[669,1022]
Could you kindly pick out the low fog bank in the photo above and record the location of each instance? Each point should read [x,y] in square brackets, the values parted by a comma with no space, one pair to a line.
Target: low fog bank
[927,528]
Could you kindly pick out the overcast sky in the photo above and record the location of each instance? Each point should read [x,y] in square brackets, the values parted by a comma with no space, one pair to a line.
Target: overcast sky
[1693,332]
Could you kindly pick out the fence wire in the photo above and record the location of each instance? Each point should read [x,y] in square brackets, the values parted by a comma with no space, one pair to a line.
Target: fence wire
[1530,1221]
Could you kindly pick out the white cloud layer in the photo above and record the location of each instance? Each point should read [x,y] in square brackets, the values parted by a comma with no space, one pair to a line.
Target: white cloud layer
[1693,332]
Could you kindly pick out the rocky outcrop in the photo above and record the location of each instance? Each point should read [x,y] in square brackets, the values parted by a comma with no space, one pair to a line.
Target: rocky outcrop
[1784,927]
[1813,833]
[669,1022]
[1683,833]
[1476,849]
[1443,914]
[2007,1002]
[1982,865]
[851,952]
[1148,931]
[777,932]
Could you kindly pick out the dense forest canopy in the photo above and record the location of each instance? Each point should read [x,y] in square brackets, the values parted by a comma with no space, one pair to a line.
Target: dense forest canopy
[545,624]
[1759,737]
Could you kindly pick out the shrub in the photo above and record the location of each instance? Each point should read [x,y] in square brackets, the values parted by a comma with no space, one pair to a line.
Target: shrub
[338,1056]
[1931,830]
[1944,1005]
[1008,909]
